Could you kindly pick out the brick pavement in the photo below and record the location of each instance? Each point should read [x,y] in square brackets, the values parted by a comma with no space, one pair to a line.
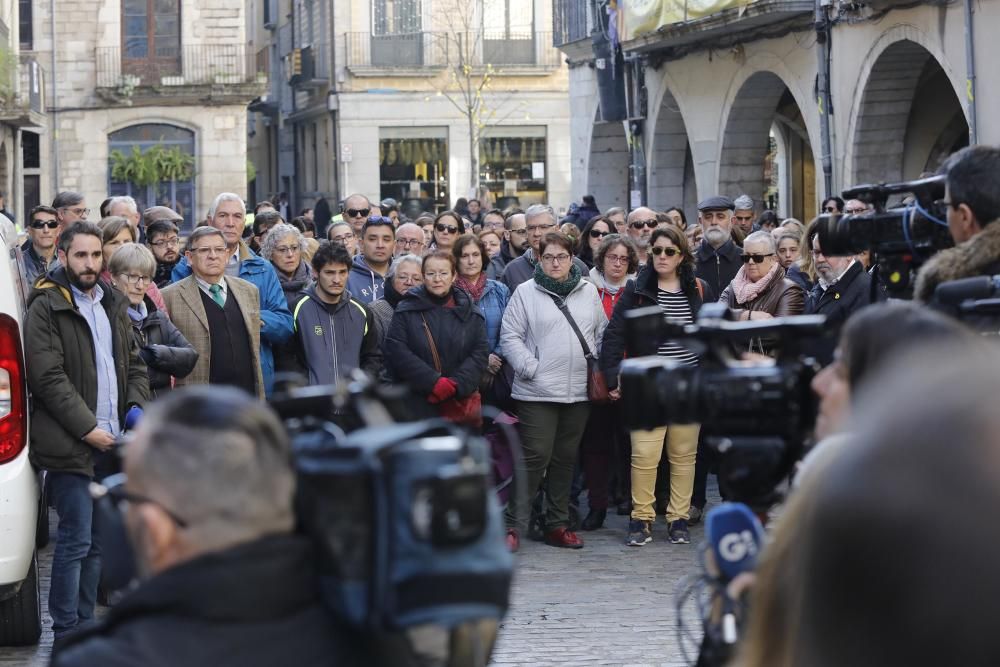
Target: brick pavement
[605,604]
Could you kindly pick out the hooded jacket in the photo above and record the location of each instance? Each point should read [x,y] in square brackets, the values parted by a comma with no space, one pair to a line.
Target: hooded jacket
[979,256]
[62,372]
[540,345]
[364,283]
[276,319]
[459,335]
[334,339]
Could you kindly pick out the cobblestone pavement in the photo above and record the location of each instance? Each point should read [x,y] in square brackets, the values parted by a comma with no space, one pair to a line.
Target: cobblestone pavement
[605,604]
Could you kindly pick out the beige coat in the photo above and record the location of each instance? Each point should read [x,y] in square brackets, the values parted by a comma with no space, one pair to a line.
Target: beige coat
[187,312]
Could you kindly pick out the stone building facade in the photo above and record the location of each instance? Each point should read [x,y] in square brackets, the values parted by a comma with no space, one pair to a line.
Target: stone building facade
[733,102]
[139,73]
[359,101]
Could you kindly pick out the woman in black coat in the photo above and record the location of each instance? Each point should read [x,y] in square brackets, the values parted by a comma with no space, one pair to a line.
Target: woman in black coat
[439,312]
[164,349]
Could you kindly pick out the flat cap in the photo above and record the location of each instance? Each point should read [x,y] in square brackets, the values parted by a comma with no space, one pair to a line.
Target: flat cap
[716,203]
[154,213]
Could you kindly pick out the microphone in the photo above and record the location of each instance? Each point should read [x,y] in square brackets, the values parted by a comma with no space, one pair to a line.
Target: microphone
[735,536]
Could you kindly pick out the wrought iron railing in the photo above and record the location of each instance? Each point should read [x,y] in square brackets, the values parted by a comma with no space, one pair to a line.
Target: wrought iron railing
[191,65]
[572,20]
[430,50]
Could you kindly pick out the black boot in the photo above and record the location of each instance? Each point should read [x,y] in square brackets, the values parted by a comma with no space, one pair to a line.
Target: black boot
[594,519]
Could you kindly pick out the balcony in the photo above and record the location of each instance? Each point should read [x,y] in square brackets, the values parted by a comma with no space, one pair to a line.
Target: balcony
[572,21]
[428,53]
[687,28]
[309,66]
[22,93]
[209,73]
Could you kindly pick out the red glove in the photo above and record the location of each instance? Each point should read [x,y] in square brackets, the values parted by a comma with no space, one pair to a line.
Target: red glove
[444,389]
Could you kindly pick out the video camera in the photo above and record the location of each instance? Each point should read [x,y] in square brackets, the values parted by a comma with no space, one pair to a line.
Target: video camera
[759,414]
[975,301]
[901,238]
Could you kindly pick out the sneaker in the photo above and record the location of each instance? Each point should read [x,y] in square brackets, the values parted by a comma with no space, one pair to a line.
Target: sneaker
[639,533]
[694,514]
[677,532]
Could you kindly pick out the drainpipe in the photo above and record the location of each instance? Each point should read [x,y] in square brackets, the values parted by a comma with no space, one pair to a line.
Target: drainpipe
[970,68]
[53,103]
[823,101]
[331,98]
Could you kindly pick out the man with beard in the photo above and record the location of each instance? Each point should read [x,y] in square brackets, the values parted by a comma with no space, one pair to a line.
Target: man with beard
[163,238]
[85,376]
[641,223]
[718,258]
[513,244]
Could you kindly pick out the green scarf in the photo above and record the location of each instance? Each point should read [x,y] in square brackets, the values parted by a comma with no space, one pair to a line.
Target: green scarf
[558,288]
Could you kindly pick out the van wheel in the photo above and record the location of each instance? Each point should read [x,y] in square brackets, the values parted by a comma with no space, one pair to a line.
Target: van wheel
[21,615]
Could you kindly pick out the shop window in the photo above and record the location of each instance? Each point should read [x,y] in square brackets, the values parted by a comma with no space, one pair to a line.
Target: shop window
[512,164]
[413,168]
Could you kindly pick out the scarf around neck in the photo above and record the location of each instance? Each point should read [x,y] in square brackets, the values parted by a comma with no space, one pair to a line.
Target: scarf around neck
[558,288]
[474,289]
[747,291]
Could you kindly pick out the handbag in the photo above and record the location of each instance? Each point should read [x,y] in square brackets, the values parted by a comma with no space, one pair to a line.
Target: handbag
[597,388]
[468,410]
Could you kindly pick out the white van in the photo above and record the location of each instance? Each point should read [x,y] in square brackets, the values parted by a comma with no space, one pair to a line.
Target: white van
[21,503]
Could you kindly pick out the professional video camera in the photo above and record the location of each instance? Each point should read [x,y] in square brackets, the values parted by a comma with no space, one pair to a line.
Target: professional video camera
[975,301]
[901,239]
[403,513]
[758,414]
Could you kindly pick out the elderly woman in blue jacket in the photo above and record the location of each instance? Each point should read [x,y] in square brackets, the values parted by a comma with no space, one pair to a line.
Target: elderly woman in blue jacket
[490,295]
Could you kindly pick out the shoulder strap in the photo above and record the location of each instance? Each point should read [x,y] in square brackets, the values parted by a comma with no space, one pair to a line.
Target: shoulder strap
[701,288]
[561,305]
[430,341]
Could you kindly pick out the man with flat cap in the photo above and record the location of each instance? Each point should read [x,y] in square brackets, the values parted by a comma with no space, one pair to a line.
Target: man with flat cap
[718,258]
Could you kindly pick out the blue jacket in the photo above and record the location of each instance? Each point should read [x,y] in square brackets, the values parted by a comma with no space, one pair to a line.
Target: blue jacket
[492,304]
[364,284]
[276,319]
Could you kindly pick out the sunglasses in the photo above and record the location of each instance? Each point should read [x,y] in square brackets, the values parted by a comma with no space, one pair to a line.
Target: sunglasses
[830,209]
[451,229]
[756,259]
[42,224]
[638,224]
[661,250]
[358,212]
[595,234]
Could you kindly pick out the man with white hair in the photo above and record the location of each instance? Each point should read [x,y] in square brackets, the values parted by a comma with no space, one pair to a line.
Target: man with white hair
[541,220]
[743,214]
[126,207]
[227,215]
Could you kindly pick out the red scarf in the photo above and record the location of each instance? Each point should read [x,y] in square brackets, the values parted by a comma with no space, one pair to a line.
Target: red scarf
[476,289]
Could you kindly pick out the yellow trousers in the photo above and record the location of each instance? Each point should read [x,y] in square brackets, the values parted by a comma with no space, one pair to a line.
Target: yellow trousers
[647,447]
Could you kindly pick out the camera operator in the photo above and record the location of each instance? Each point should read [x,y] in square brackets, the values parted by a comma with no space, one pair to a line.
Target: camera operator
[972,196]
[917,583]
[208,513]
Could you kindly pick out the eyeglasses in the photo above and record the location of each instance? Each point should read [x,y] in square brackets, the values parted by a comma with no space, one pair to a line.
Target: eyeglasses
[287,249]
[451,229]
[594,234]
[82,212]
[206,252]
[42,224]
[555,259]
[171,242]
[133,279]
[113,489]
[341,238]
[854,210]
[639,224]
[663,250]
[539,228]
[435,275]
[358,212]
[523,230]
[408,279]
[616,259]
[944,203]
[755,258]
[406,243]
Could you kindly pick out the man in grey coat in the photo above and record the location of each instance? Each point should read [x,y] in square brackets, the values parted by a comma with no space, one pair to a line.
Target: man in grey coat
[541,220]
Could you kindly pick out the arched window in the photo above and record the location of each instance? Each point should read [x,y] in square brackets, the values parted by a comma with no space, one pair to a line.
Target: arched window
[154,184]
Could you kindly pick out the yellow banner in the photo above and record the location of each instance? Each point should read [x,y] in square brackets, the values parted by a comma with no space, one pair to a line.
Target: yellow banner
[646,16]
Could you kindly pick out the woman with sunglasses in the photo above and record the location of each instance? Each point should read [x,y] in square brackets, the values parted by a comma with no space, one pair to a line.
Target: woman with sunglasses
[760,289]
[448,226]
[594,232]
[669,281]
[164,349]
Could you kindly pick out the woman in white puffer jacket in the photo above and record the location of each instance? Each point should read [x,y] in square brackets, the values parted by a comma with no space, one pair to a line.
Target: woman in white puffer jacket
[550,379]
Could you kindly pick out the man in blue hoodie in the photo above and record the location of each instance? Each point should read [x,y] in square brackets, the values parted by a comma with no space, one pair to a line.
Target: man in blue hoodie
[378,241]
[227,215]
[334,333]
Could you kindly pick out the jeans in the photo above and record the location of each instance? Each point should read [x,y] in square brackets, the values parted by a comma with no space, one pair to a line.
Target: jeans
[647,449]
[76,563]
[550,435]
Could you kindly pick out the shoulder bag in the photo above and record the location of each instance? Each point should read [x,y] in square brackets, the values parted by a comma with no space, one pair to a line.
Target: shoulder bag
[597,388]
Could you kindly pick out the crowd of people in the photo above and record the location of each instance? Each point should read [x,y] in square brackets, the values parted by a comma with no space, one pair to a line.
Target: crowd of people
[515,308]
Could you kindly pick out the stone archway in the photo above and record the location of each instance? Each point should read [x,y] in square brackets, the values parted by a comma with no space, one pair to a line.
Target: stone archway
[671,174]
[763,115]
[896,139]
[608,166]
